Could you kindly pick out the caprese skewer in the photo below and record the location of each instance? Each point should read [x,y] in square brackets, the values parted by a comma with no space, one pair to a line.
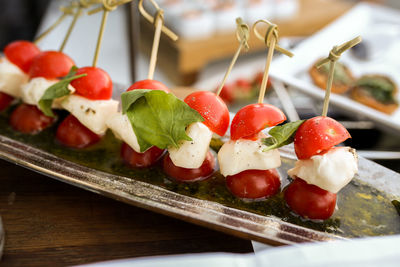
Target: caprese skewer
[90,107]
[46,69]
[322,169]
[192,160]
[250,172]
[121,127]
[14,69]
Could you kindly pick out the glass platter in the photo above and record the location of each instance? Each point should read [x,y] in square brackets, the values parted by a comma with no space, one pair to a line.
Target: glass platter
[365,207]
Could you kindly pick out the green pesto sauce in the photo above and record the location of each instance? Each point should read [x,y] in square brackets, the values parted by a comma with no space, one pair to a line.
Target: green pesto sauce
[340,75]
[363,211]
[378,87]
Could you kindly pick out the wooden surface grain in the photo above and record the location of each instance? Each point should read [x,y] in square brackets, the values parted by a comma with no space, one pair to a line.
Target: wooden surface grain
[49,223]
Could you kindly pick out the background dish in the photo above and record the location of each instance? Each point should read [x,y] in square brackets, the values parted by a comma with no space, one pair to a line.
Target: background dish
[380,29]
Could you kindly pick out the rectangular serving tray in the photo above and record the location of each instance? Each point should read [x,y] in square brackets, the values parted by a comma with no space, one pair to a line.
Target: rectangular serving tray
[266,229]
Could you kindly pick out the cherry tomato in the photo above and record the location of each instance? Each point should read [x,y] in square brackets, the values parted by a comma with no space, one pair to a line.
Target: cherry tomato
[258,80]
[212,108]
[254,184]
[74,134]
[252,119]
[243,85]
[141,160]
[227,94]
[5,101]
[96,85]
[50,65]
[317,135]
[21,53]
[190,175]
[29,119]
[149,84]
[310,201]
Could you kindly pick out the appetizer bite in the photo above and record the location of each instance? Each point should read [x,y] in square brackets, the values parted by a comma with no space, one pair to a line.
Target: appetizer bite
[376,91]
[192,160]
[322,169]
[147,122]
[121,126]
[342,79]
[248,164]
[90,106]
[250,172]
[45,71]
[14,68]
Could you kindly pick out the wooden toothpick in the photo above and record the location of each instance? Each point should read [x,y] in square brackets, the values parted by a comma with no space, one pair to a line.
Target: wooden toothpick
[107,7]
[71,27]
[270,39]
[242,34]
[158,22]
[334,56]
[69,10]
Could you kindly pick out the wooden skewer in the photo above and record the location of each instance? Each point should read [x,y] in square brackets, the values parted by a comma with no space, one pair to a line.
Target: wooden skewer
[156,41]
[100,37]
[242,34]
[334,56]
[158,22]
[270,39]
[71,27]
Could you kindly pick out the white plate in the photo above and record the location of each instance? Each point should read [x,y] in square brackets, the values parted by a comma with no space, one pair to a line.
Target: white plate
[379,28]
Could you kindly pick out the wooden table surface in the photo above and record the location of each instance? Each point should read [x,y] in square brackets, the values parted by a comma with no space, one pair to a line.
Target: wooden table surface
[51,223]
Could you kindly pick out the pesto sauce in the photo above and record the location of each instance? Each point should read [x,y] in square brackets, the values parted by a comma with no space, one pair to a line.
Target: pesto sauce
[363,211]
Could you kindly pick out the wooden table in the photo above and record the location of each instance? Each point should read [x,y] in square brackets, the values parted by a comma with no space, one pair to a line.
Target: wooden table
[51,223]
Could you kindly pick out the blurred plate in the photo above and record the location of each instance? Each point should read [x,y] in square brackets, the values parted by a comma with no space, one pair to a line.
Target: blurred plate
[380,29]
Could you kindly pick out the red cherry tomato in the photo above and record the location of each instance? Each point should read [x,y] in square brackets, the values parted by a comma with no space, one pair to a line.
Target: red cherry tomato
[5,101]
[21,53]
[254,184]
[141,160]
[50,65]
[227,94]
[96,85]
[252,119]
[149,84]
[258,80]
[74,134]
[29,119]
[190,175]
[317,135]
[310,201]
[212,108]
[243,85]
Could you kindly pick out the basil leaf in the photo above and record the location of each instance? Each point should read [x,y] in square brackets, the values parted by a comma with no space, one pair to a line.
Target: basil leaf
[159,119]
[129,98]
[57,90]
[281,135]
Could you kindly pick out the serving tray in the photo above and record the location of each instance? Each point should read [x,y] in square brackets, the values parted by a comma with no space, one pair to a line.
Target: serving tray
[235,221]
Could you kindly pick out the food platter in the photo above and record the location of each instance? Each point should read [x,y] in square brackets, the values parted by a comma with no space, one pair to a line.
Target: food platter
[185,203]
[378,26]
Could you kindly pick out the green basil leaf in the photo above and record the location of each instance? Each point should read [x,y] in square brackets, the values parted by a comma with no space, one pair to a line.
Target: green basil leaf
[129,98]
[281,135]
[57,90]
[159,119]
